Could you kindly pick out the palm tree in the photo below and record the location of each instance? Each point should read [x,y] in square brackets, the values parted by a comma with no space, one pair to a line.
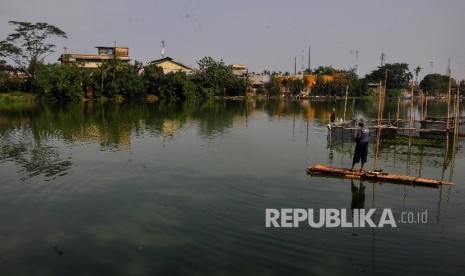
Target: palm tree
[417,71]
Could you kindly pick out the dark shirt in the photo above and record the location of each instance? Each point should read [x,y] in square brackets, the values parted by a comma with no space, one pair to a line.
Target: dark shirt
[362,135]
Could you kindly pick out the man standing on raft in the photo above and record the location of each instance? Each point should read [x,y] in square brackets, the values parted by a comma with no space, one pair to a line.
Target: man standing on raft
[361,147]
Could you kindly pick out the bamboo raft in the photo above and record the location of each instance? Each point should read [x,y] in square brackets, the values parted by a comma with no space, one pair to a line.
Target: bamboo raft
[375,176]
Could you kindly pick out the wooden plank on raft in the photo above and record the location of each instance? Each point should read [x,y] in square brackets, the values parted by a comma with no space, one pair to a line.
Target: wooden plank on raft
[374,176]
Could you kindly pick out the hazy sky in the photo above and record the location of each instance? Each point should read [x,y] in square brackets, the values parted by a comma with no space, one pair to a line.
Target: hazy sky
[262,34]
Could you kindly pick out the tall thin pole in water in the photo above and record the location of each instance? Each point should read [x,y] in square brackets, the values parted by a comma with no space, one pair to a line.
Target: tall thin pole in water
[345,103]
[410,130]
[422,102]
[457,113]
[448,112]
[410,121]
[378,134]
[384,96]
[446,155]
[426,106]
[456,132]
[448,96]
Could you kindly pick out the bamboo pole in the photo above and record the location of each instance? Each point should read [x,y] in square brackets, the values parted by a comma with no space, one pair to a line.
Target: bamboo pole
[378,134]
[457,114]
[448,99]
[456,132]
[446,155]
[384,96]
[422,100]
[345,102]
[448,112]
[426,107]
[410,121]
[379,101]
[375,167]
[398,109]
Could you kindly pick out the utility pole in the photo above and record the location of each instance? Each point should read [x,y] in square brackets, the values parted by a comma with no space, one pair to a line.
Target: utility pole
[383,56]
[295,65]
[162,49]
[302,62]
[309,55]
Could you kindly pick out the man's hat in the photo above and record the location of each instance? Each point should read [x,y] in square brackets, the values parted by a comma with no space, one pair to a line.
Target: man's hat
[361,121]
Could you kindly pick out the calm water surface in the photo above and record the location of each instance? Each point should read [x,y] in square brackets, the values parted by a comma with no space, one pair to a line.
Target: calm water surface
[182,188]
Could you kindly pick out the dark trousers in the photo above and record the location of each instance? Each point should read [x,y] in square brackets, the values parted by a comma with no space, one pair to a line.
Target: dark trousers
[361,152]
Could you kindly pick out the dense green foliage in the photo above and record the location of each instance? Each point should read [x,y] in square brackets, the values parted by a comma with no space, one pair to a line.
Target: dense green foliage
[272,87]
[116,79]
[10,83]
[295,86]
[398,75]
[27,46]
[215,78]
[60,81]
[16,97]
[435,84]
[343,80]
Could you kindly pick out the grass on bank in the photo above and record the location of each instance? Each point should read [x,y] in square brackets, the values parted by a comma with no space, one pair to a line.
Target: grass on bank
[16,97]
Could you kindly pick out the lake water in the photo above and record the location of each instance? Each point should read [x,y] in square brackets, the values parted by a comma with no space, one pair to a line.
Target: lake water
[181,189]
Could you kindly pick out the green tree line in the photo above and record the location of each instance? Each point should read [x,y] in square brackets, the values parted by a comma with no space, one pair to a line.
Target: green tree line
[28,45]
[115,78]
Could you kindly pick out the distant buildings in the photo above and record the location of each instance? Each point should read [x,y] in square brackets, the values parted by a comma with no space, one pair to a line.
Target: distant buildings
[94,61]
[11,77]
[258,81]
[169,65]
[239,70]
[10,71]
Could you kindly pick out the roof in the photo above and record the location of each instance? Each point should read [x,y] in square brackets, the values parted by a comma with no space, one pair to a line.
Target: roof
[112,47]
[6,67]
[259,79]
[158,61]
[88,56]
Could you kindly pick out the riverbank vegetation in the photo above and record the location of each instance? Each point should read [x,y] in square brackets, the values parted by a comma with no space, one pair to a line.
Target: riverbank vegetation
[114,79]
[16,97]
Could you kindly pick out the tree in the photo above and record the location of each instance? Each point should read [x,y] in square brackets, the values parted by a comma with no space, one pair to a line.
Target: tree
[60,81]
[324,86]
[272,87]
[346,79]
[130,82]
[417,71]
[216,78]
[153,78]
[325,70]
[178,85]
[28,46]
[106,79]
[398,75]
[436,84]
[296,86]
[462,86]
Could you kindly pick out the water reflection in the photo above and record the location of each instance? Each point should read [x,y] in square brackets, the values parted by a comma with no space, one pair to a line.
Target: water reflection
[358,196]
[34,157]
[25,130]
[142,193]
